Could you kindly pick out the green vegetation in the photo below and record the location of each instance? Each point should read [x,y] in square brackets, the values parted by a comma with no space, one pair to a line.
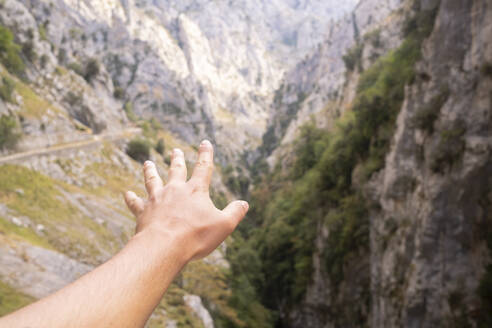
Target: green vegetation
[150,128]
[89,71]
[128,108]
[487,69]
[32,194]
[77,68]
[160,147]
[449,149]
[426,116]
[18,232]
[119,93]
[139,150]
[29,52]
[42,32]
[272,255]
[353,57]
[235,180]
[10,52]
[9,132]
[11,300]
[7,89]
[33,105]
[374,37]
[92,69]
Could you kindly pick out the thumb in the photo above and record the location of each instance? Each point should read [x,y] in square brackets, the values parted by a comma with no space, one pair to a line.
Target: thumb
[236,210]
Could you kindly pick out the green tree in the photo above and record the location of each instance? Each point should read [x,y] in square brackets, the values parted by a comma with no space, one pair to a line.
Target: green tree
[139,150]
[10,52]
[9,134]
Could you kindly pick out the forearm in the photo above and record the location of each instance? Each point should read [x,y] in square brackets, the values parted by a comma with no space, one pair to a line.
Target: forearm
[120,293]
[177,223]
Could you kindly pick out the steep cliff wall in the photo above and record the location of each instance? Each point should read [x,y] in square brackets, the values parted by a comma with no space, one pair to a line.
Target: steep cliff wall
[428,239]
[384,220]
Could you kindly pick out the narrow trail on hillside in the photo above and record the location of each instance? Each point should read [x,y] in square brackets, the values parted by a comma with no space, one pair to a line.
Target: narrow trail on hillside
[94,140]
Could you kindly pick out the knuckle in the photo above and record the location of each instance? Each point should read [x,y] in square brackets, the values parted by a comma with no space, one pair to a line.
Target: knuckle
[177,165]
[173,186]
[199,188]
[151,178]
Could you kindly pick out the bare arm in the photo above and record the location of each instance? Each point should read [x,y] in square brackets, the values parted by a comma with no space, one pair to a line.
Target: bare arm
[177,223]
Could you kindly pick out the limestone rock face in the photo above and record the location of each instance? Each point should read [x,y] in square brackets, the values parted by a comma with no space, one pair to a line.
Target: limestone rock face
[319,85]
[194,302]
[202,68]
[436,186]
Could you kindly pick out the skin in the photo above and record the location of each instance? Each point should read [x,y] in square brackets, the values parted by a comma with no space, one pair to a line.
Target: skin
[176,224]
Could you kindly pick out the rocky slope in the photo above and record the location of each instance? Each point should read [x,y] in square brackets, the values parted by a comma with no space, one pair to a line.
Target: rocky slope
[186,63]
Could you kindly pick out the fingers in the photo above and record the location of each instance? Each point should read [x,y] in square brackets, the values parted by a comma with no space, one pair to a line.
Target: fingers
[153,181]
[236,211]
[134,203]
[202,173]
[177,170]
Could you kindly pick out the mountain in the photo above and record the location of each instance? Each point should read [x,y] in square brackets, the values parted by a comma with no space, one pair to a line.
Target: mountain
[358,130]
[201,68]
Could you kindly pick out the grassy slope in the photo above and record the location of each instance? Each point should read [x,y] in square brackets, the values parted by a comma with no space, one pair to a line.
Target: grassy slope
[11,300]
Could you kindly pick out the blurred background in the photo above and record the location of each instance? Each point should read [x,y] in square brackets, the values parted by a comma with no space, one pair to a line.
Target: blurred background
[360,131]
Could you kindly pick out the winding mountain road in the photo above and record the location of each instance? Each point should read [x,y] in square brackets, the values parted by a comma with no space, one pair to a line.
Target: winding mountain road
[94,140]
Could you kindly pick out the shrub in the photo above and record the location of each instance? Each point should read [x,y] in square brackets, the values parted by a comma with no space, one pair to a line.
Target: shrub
[62,56]
[92,69]
[9,135]
[353,57]
[77,68]
[43,60]
[29,52]
[128,108]
[7,89]
[449,149]
[10,52]
[139,150]
[42,32]
[119,93]
[487,69]
[160,147]
[374,37]
[426,116]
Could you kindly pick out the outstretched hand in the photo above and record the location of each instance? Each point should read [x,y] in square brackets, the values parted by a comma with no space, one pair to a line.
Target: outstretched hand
[182,210]
[177,223]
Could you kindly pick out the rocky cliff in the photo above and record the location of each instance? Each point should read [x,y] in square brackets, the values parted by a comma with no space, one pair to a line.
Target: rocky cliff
[395,200]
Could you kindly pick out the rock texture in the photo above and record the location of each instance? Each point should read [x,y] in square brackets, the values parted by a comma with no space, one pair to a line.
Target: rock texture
[201,72]
[435,184]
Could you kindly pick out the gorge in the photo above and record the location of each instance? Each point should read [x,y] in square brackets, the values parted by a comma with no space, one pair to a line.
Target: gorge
[360,132]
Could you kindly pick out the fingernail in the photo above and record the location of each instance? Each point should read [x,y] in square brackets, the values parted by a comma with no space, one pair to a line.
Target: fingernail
[245,205]
[147,163]
[177,151]
[205,143]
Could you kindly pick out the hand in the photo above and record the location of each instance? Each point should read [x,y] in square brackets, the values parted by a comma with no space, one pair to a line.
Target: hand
[183,211]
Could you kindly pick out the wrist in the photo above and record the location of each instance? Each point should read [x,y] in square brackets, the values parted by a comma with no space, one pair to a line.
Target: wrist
[163,246]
